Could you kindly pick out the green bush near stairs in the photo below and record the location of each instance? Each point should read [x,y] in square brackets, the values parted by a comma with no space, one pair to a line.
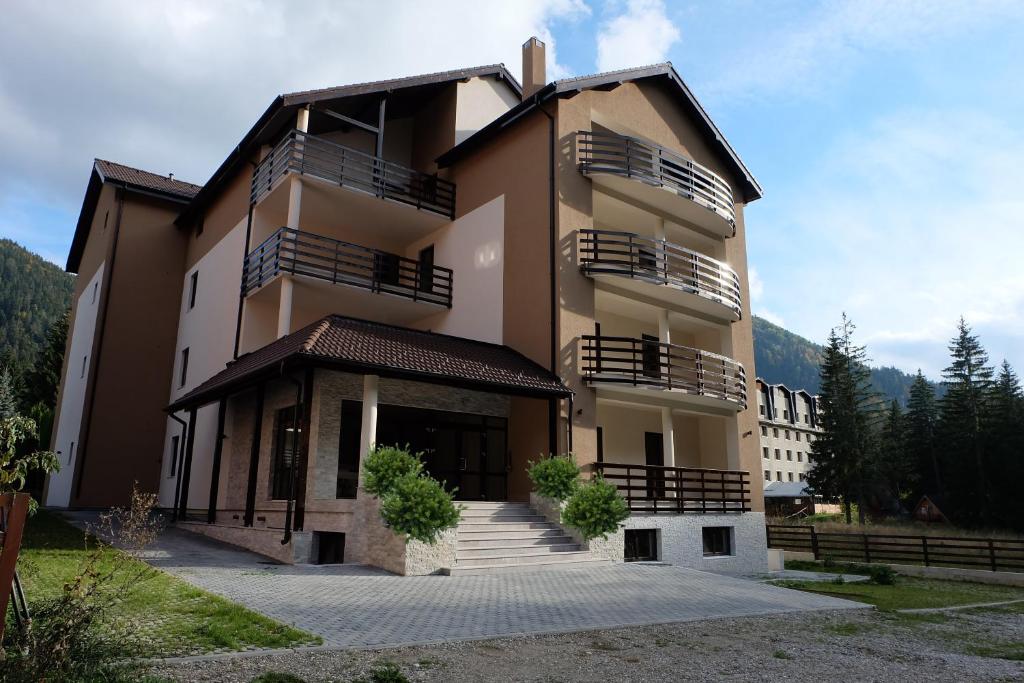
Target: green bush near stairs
[386,465]
[555,477]
[595,509]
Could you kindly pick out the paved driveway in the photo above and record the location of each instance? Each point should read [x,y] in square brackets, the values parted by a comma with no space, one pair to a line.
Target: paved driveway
[360,606]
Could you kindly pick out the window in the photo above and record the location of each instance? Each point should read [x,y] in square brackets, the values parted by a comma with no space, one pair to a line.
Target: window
[184,367]
[764,431]
[426,270]
[778,476]
[777,454]
[175,440]
[807,419]
[799,456]
[282,465]
[641,545]
[767,475]
[789,455]
[765,451]
[95,291]
[717,540]
[106,217]
[785,414]
[775,432]
[798,436]
[192,287]
[790,476]
[803,476]
[651,356]
[386,268]
[600,444]
[348,449]
[330,547]
[85,363]
[787,435]
[71,452]
[761,408]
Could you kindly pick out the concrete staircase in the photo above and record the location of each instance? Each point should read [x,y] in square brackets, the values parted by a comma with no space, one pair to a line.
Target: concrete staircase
[503,537]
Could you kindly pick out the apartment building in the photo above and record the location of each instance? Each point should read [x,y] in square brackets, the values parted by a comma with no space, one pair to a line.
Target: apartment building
[484,271]
[789,424]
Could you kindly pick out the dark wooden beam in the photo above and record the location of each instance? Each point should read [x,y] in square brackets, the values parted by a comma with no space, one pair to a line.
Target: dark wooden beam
[218,448]
[254,457]
[302,461]
[380,127]
[347,119]
[186,474]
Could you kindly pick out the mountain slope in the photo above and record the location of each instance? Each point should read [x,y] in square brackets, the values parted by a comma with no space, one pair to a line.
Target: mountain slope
[787,358]
[33,293]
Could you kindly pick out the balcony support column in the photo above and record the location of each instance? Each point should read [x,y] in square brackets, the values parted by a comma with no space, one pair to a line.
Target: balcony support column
[368,433]
[668,438]
[294,202]
[284,307]
[659,228]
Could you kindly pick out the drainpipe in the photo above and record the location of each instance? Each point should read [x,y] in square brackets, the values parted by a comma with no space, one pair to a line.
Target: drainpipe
[553,266]
[181,446]
[299,386]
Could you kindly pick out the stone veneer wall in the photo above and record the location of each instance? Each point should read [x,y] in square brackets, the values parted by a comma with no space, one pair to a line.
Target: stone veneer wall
[378,546]
[680,541]
[612,547]
[266,542]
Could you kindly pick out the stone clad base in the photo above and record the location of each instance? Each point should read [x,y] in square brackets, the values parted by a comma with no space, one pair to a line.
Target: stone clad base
[262,541]
[611,547]
[680,541]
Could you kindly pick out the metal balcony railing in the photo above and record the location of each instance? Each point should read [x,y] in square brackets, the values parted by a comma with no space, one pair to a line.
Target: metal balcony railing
[679,490]
[310,255]
[299,152]
[609,252]
[655,364]
[652,164]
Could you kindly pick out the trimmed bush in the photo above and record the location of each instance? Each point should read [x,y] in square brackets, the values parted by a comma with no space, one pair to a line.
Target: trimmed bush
[882,574]
[385,465]
[419,507]
[555,477]
[595,509]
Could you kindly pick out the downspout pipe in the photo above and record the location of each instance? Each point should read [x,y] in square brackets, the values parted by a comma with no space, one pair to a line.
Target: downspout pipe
[181,445]
[299,408]
[553,266]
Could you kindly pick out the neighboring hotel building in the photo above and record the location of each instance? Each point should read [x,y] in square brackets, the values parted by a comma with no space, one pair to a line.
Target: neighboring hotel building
[789,425]
[484,271]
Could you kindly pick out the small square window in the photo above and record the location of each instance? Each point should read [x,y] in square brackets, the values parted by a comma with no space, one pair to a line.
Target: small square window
[175,441]
[785,414]
[778,476]
[798,436]
[85,364]
[641,545]
[717,541]
[790,476]
[787,435]
[799,456]
[767,475]
[184,367]
[778,456]
[192,288]
[789,455]
[775,432]
[765,451]
[764,431]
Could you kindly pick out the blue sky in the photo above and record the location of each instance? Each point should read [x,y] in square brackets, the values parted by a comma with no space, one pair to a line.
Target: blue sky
[888,135]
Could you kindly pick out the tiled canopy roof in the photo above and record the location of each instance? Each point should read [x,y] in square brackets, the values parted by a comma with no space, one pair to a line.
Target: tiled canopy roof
[145,180]
[367,347]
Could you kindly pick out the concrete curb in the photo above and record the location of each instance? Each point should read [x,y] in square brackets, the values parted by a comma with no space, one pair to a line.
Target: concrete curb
[955,608]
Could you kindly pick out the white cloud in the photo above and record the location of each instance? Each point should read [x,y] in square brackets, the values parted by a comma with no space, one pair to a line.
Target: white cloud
[641,34]
[821,48]
[757,298]
[172,87]
[910,222]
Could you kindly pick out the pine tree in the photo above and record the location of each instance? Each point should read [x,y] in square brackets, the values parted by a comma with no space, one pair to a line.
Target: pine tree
[842,454]
[894,467]
[968,381]
[42,381]
[8,402]
[1004,433]
[921,420]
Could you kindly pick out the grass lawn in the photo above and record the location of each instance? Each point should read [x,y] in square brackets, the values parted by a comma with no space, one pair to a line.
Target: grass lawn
[171,616]
[911,593]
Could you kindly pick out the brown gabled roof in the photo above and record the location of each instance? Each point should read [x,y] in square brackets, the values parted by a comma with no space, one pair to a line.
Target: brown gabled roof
[144,180]
[283,107]
[366,347]
[131,179]
[567,87]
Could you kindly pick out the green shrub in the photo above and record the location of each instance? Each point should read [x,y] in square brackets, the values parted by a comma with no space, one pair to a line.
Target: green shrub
[388,672]
[882,574]
[419,507]
[555,477]
[385,465]
[595,509]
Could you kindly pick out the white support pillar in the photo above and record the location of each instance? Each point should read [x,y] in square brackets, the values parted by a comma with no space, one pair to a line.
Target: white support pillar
[368,435]
[284,307]
[668,438]
[659,228]
[302,120]
[295,183]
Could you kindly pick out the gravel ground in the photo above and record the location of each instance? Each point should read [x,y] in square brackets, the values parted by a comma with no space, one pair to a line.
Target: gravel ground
[861,645]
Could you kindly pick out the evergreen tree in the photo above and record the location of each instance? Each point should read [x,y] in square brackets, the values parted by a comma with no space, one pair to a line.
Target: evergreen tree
[42,381]
[1004,432]
[968,381]
[842,453]
[894,467]
[8,402]
[921,420]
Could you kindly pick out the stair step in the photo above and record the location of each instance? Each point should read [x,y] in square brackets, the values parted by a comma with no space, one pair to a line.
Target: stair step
[489,505]
[532,557]
[460,570]
[505,527]
[472,517]
[506,541]
[506,552]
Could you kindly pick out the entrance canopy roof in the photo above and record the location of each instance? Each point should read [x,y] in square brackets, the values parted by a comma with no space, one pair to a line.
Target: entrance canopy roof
[370,348]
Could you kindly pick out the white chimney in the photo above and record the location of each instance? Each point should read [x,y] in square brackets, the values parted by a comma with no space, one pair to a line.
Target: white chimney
[534,71]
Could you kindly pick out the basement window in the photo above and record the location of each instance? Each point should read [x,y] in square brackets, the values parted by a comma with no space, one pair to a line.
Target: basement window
[330,547]
[717,541]
[641,545]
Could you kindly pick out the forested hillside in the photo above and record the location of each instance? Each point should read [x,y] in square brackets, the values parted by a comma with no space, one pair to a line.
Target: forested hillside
[33,293]
[781,356]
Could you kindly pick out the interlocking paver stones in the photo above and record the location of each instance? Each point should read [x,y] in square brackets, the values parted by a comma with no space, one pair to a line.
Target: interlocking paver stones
[358,606]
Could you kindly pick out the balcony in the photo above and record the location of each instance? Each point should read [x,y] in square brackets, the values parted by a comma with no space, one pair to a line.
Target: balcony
[678,490]
[653,372]
[327,260]
[335,164]
[661,271]
[640,172]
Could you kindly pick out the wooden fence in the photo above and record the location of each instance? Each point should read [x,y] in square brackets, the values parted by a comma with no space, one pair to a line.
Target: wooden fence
[993,554]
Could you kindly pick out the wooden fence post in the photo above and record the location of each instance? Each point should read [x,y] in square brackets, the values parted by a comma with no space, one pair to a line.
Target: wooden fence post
[867,548]
[924,549]
[814,543]
[992,553]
